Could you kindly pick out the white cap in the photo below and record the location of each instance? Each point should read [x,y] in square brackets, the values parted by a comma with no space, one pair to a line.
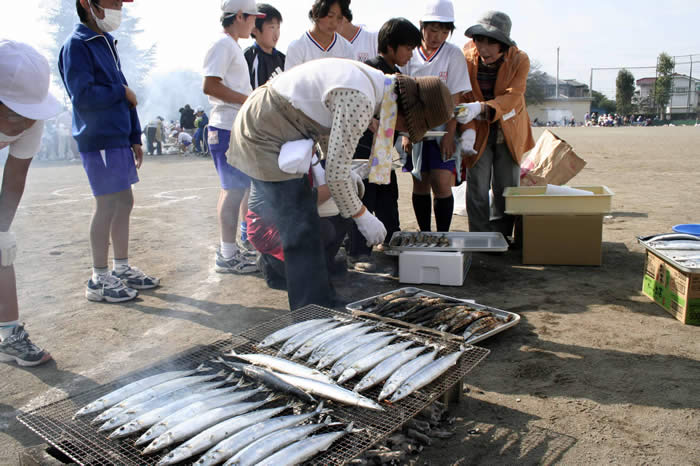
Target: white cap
[246,6]
[24,86]
[438,11]
[199,109]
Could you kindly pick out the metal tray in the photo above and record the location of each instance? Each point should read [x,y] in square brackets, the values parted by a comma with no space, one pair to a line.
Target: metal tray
[671,256]
[356,309]
[459,242]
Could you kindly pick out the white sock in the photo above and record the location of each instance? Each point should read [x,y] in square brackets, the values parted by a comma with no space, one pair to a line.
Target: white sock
[6,328]
[228,250]
[120,264]
[97,271]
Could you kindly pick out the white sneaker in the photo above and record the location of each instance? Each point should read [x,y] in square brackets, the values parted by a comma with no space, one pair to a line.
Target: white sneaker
[109,288]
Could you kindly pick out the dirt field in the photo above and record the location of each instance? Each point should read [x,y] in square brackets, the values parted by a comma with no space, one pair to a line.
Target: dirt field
[595,373]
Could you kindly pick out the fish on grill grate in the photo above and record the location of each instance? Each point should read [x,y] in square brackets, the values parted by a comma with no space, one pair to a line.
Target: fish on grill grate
[148,419]
[371,360]
[426,375]
[324,348]
[331,391]
[300,338]
[112,398]
[268,379]
[300,451]
[387,367]
[201,421]
[371,347]
[132,413]
[314,342]
[274,442]
[281,365]
[154,393]
[187,412]
[215,434]
[343,349]
[225,449]
[404,372]
[289,331]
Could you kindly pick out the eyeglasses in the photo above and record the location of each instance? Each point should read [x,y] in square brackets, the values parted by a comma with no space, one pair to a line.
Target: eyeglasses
[488,40]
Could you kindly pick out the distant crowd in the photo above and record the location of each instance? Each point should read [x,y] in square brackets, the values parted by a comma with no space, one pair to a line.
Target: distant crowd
[614,120]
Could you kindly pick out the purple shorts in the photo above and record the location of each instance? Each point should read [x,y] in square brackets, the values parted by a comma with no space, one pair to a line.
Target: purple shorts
[230,177]
[431,160]
[110,171]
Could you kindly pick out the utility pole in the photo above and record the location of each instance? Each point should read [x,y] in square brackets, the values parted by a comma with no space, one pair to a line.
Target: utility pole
[557,86]
[691,91]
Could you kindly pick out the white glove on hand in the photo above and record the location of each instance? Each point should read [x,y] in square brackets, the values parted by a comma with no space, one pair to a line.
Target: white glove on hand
[359,185]
[371,228]
[363,170]
[467,112]
[8,248]
[466,142]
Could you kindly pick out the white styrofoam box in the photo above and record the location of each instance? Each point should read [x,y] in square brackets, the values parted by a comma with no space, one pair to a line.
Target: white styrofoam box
[437,268]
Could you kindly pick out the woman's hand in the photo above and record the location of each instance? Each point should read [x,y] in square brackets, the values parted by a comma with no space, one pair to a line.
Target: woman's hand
[406,145]
[131,97]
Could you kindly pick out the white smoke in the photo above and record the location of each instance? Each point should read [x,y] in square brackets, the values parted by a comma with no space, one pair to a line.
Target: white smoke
[166,92]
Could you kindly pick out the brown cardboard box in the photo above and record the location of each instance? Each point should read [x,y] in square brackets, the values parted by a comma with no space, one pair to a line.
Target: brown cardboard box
[674,290]
[563,239]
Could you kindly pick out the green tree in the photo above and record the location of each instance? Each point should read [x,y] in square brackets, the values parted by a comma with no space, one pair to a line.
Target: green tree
[536,82]
[664,81]
[136,60]
[625,92]
[601,102]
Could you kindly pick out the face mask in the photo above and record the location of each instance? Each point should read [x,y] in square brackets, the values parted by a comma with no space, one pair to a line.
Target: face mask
[111,21]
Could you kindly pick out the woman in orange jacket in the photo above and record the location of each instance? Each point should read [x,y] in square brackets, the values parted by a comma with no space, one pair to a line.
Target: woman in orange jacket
[494,122]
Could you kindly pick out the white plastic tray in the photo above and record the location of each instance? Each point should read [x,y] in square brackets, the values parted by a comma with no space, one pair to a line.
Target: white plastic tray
[459,242]
[533,200]
[356,307]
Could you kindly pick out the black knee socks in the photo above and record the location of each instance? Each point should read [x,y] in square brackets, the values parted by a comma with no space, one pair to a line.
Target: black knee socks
[421,206]
[443,212]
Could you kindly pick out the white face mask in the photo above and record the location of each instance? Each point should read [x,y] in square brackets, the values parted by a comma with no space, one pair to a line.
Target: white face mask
[111,21]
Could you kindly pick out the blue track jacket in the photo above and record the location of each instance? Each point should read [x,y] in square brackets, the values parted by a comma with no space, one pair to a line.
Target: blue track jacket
[91,72]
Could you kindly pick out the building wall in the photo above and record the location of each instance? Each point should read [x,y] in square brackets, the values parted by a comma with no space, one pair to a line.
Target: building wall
[557,110]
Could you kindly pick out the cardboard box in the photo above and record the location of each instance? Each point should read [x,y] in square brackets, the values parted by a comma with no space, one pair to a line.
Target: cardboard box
[674,290]
[563,239]
[437,268]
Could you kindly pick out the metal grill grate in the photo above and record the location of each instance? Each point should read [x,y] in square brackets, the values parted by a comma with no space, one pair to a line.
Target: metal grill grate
[82,443]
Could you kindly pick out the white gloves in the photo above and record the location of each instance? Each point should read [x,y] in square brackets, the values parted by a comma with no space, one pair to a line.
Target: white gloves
[317,171]
[466,142]
[8,248]
[359,185]
[295,156]
[467,112]
[371,228]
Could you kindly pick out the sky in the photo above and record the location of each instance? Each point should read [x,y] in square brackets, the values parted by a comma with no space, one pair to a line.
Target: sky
[589,34]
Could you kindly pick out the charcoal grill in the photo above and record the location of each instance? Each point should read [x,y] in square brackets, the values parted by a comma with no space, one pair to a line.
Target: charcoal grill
[80,441]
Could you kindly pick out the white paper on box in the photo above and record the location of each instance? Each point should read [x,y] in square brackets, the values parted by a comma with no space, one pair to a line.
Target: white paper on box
[554,190]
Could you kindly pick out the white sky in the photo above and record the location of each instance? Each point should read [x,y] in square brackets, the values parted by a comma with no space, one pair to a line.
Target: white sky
[592,33]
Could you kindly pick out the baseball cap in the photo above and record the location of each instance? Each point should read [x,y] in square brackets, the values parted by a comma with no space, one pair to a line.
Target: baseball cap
[24,86]
[246,6]
[438,11]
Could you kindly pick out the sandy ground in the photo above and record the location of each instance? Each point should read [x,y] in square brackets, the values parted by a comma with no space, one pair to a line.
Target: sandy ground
[595,372]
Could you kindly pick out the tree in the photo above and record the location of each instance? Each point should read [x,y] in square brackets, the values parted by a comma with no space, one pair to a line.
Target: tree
[535,91]
[136,60]
[625,91]
[602,103]
[664,81]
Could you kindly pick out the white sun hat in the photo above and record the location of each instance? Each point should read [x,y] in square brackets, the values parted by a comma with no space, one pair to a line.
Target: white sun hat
[438,11]
[24,87]
[246,6]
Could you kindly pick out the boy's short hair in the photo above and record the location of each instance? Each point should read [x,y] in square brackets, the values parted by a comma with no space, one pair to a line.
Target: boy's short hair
[82,14]
[398,31]
[228,19]
[444,26]
[270,13]
[320,8]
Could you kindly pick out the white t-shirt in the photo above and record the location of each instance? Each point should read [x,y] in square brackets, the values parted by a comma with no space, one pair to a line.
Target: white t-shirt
[306,87]
[447,63]
[225,60]
[305,49]
[25,145]
[184,138]
[364,44]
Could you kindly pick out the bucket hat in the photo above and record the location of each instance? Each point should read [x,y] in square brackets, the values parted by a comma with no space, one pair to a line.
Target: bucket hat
[24,87]
[426,103]
[494,24]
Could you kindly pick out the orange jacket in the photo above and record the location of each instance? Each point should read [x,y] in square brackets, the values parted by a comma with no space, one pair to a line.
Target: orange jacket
[509,105]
